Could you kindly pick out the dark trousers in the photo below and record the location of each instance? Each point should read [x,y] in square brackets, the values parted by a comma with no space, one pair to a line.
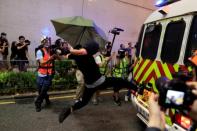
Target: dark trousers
[43,84]
[116,83]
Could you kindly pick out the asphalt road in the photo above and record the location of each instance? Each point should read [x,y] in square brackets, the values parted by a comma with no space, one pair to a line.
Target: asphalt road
[106,116]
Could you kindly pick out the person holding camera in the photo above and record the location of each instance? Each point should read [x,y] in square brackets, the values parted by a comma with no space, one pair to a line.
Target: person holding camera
[157,117]
[45,72]
[94,80]
[22,53]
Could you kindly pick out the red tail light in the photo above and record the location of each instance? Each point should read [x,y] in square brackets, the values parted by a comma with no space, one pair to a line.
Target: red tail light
[185,122]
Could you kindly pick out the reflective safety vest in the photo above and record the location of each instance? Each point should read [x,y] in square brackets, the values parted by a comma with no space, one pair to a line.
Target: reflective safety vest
[122,69]
[103,67]
[47,68]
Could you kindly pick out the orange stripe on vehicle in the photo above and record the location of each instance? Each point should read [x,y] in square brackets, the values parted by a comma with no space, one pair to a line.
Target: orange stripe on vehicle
[144,71]
[142,62]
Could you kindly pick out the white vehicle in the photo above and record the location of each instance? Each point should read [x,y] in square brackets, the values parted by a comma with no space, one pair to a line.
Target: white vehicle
[165,43]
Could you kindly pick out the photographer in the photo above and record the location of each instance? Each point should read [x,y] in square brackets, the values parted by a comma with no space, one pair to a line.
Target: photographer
[157,117]
[22,53]
[45,72]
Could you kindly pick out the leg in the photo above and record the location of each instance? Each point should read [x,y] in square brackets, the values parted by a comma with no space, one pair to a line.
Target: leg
[88,92]
[80,87]
[95,98]
[43,85]
[117,84]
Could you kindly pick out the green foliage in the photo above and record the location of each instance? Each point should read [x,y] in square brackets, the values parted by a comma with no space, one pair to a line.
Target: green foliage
[21,82]
[65,75]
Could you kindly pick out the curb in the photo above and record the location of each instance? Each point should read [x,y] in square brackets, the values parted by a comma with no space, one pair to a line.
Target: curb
[52,94]
[32,95]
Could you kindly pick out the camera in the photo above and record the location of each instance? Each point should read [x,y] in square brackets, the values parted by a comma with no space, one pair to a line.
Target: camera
[55,50]
[116,31]
[27,42]
[174,93]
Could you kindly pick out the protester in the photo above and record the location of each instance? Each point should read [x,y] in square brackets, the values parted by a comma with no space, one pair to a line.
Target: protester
[93,79]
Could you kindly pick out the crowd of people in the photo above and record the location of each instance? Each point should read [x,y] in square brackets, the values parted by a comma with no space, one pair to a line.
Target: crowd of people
[19,53]
[96,70]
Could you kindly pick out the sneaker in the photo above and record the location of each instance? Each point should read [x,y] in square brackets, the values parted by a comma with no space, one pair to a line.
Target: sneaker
[95,102]
[126,98]
[64,114]
[38,107]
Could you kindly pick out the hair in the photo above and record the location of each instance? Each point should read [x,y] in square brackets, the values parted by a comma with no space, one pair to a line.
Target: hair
[20,37]
[3,33]
[92,47]
[13,43]
[58,42]
[78,46]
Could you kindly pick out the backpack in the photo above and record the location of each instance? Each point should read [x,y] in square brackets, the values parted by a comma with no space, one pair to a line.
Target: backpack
[39,48]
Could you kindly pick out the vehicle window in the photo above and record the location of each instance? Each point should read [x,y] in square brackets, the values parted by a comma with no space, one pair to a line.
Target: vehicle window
[151,41]
[173,41]
[138,44]
[192,41]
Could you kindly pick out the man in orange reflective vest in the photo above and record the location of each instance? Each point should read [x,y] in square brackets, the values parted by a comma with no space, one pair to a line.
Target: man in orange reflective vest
[45,72]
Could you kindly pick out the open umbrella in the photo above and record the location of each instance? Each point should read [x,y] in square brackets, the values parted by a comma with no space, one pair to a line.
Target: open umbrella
[78,30]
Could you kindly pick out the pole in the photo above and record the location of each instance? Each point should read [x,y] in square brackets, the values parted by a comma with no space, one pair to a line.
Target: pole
[113,42]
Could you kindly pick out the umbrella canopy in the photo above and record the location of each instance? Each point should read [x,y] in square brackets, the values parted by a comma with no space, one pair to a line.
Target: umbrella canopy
[78,30]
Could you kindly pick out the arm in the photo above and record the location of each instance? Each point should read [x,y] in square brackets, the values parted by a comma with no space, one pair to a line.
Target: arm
[27,54]
[39,57]
[156,116]
[3,48]
[20,47]
[78,52]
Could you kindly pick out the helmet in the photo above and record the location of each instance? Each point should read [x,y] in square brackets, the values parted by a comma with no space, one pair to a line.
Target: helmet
[43,38]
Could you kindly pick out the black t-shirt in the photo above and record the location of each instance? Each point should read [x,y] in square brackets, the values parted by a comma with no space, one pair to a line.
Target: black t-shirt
[87,66]
[6,48]
[13,52]
[21,53]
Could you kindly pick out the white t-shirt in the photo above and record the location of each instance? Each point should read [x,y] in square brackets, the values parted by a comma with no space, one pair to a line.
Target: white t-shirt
[39,56]
[98,60]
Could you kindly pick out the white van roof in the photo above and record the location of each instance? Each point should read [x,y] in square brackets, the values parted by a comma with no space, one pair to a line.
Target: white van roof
[176,9]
